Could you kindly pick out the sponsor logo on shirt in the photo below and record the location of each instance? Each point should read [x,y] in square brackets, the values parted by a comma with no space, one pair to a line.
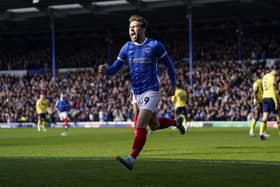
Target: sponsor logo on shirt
[141,60]
[148,50]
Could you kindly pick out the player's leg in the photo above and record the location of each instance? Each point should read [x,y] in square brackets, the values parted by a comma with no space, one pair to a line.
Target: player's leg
[256,113]
[135,114]
[267,107]
[144,117]
[265,130]
[39,123]
[65,127]
[253,123]
[65,123]
[182,111]
[134,123]
[162,123]
[44,122]
[263,125]
[63,118]
[147,103]
[271,110]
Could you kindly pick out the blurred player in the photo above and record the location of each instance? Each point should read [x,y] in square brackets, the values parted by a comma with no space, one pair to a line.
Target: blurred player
[142,55]
[42,106]
[270,101]
[180,101]
[257,104]
[62,105]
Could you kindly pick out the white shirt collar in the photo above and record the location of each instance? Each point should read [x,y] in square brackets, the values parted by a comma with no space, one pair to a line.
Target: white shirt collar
[136,43]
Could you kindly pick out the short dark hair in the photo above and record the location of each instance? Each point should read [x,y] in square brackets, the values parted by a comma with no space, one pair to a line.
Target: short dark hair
[141,19]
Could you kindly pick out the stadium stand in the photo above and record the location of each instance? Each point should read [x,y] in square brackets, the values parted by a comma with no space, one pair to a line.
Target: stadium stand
[222,76]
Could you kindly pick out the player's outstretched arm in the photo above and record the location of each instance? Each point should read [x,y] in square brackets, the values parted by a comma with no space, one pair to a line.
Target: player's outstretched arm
[111,70]
[170,70]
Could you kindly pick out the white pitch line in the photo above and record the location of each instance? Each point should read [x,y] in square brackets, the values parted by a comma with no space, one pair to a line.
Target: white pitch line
[146,159]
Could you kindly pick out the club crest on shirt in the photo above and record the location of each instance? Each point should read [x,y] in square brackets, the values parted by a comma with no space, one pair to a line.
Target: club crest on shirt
[148,50]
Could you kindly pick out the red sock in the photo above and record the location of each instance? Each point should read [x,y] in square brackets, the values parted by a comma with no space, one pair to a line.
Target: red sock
[139,142]
[135,124]
[65,123]
[165,123]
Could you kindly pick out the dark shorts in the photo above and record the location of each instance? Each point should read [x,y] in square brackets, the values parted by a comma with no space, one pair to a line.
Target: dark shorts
[43,116]
[181,111]
[268,105]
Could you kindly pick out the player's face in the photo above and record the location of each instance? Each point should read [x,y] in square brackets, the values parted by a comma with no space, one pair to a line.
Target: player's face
[136,32]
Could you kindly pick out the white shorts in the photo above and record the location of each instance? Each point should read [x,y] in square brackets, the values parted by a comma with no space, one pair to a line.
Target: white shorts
[148,100]
[63,115]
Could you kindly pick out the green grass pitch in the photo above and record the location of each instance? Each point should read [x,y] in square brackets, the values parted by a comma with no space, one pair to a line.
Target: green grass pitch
[202,157]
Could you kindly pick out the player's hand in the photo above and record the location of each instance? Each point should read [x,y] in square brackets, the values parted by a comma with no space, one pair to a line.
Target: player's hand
[171,91]
[102,68]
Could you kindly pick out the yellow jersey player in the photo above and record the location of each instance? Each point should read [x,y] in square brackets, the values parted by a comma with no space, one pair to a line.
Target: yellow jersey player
[180,101]
[42,106]
[257,104]
[270,101]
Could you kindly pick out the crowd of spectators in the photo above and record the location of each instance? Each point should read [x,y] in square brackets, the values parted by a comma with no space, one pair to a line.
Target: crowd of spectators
[220,91]
[223,73]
